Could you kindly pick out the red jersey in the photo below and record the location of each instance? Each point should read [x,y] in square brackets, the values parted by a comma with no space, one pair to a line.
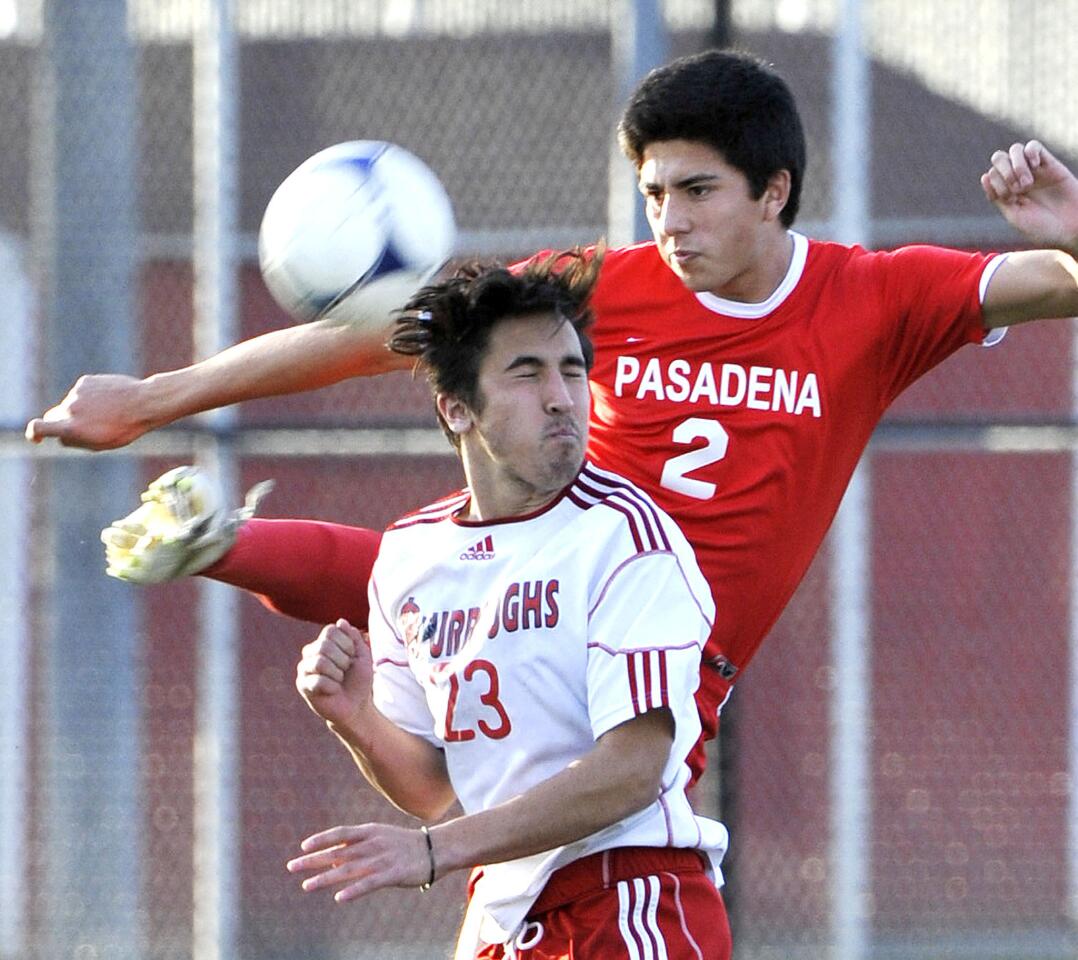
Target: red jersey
[746,421]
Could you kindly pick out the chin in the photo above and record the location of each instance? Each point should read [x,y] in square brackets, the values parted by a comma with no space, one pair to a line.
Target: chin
[695,282]
[562,470]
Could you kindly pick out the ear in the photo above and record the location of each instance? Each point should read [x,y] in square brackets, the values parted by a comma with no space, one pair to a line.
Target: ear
[775,194]
[455,412]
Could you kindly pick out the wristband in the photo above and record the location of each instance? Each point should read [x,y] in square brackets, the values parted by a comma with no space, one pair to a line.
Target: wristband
[430,856]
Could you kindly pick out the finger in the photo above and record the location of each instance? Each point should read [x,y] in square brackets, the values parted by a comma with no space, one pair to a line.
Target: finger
[333,837]
[317,686]
[1023,175]
[337,875]
[323,666]
[339,650]
[368,884]
[1003,168]
[1036,153]
[999,186]
[41,428]
[353,634]
[989,190]
[324,862]
[316,663]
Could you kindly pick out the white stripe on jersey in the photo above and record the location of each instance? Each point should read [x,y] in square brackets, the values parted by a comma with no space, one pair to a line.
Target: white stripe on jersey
[434,512]
[628,493]
[647,679]
[592,488]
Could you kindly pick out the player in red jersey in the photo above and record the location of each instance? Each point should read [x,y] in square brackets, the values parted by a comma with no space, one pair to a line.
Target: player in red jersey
[740,367]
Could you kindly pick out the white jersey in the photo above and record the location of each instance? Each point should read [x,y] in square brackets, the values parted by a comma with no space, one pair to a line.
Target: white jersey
[513,645]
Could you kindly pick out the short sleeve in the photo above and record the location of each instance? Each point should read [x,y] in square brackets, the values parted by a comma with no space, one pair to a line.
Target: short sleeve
[646,631]
[396,691]
[932,296]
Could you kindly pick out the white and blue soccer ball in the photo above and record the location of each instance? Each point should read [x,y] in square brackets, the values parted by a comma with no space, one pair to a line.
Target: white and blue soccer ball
[358,227]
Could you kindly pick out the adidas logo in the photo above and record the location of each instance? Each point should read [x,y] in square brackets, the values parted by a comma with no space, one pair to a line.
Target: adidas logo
[483,550]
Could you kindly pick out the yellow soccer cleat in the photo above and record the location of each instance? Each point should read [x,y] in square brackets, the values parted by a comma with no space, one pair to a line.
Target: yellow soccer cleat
[180,529]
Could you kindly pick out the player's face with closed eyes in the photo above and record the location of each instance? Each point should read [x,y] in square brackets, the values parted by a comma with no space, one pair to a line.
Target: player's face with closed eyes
[530,432]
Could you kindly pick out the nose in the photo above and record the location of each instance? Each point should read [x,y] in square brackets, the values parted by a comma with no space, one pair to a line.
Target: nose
[672,218]
[559,397]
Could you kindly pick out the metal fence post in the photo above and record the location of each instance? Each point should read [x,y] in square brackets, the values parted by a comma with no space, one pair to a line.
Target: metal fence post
[16,319]
[88,686]
[851,786]
[216,760]
[638,44]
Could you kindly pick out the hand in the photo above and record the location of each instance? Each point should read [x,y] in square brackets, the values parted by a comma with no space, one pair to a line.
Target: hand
[362,859]
[180,529]
[335,674]
[1035,193]
[100,412]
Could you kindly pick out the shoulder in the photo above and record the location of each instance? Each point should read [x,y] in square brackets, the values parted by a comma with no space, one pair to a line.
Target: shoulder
[407,543]
[623,529]
[615,509]
[908,259]
[632,261]
[417,533]
[634,281]
[435,512]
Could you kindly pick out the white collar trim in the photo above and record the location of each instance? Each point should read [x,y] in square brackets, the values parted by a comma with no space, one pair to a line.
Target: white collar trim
[754,311]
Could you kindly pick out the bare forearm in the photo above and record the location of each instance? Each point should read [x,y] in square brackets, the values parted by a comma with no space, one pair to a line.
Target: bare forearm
[407,770]
[1032,285]
[289,360]
[105,411]
[619,777]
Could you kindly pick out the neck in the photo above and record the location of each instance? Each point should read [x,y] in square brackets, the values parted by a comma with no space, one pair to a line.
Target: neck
[769,264]
[501,496]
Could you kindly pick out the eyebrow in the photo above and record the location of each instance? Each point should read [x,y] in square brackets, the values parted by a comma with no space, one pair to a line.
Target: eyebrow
[525,360]
[683,184]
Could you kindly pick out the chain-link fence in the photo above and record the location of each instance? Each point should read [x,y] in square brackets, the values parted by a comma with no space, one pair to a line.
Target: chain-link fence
[964,823]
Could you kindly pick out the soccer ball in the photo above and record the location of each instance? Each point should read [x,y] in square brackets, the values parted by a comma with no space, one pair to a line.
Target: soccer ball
[353,230]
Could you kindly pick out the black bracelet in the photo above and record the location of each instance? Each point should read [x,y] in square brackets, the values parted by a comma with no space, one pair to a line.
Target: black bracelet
[430,856]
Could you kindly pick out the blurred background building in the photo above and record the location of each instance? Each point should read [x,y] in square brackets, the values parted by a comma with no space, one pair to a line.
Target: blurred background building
[897,766]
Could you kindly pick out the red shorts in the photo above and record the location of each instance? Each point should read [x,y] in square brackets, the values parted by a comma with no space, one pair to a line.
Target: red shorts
[628,903]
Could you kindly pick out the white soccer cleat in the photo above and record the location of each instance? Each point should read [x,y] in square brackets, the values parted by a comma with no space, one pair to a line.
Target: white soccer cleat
[180,529]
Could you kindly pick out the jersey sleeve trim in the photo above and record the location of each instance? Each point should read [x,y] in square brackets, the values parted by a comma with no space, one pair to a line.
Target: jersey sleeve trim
[989,271]
[595,645]
[995,334]
[647,680]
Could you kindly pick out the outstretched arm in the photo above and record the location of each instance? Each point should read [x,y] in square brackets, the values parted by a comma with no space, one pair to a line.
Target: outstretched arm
[1038,195]
[104,411]
[619,776]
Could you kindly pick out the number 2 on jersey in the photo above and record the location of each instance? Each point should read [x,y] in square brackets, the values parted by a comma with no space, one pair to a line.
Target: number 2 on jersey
[675,469]
[489,698]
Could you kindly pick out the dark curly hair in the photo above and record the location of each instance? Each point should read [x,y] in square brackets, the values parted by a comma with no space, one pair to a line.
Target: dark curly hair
[732,101]
[446,326]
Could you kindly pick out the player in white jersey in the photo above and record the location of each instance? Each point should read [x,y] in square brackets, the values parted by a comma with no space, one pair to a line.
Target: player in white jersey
[534,649]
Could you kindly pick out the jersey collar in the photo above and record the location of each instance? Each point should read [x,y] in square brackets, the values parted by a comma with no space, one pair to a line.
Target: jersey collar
[754,311]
